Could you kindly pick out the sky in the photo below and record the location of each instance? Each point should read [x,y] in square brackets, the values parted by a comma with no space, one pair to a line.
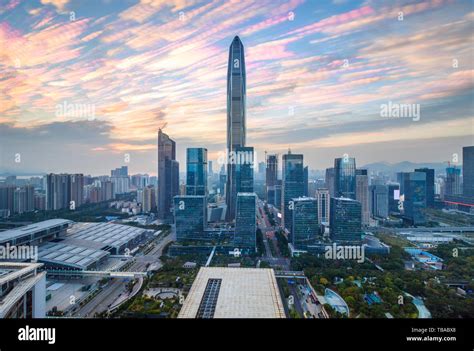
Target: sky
[85,85]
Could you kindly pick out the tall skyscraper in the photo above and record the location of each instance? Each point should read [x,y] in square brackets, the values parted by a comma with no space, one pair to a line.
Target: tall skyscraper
[322,195]
[345,177]
[329,180]
[379,201]
[345,220]
[393,197]
[305,180]
[430,187]
[362,193]
[271,177]
[468,170]
[196,171]
[168,175]
[245,221]
[453,181]
[304,226]
[415,197]
[292,184]
[236,101]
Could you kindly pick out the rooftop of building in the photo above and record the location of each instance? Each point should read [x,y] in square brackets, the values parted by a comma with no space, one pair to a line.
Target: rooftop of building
[238,293]
[32,228]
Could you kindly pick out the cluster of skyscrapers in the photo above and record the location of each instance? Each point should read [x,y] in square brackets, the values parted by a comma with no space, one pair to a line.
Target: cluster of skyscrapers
[345,201]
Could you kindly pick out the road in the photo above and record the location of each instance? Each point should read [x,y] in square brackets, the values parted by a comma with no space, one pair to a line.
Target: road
[269,238]
[117,286]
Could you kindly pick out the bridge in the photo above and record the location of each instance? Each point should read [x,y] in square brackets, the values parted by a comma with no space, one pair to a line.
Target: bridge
[290,274]
[111,274]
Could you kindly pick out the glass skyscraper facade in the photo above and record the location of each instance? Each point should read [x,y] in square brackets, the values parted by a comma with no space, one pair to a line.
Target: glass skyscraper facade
[271,177]
[190,217]
[415,197]
[245,221]
[453,181]
[292,184]
[196,171]
[168,176]
[345,220]
[345,177]
[304,226]
[379,201]
[430,187]
[244,169]
[236,101]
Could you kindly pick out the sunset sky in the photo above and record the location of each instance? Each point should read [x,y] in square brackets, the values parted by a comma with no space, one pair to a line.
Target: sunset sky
[317,74]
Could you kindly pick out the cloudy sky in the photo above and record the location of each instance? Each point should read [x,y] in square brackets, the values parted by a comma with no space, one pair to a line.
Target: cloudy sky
[85,84]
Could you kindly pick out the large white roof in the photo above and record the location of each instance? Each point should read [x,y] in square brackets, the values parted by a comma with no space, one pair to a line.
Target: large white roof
[243,293]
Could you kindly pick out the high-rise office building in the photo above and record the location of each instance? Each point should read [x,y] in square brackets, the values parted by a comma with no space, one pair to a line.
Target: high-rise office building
[362,193]
[324,203]
[468,170]
[196,171]
[244,169]
[245,221]
[345,220]
[305,181]
[271,177]
[210,170]
[393,197]
[304,226]
[168,175]
[453,181]
[415,197]
[190,217]
[430,187]
[236,115]
[292,184]
[329,180]
[345,177]
[379,201]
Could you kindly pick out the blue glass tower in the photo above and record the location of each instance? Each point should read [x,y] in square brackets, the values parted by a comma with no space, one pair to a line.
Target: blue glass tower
[190,217]
[345,220]
[304,227]
[245,221]
[196,171]
[292,184]
[244,169]
[345,177]
[415,197]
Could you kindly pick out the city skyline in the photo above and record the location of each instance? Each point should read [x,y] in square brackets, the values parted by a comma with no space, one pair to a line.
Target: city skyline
[317,103]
